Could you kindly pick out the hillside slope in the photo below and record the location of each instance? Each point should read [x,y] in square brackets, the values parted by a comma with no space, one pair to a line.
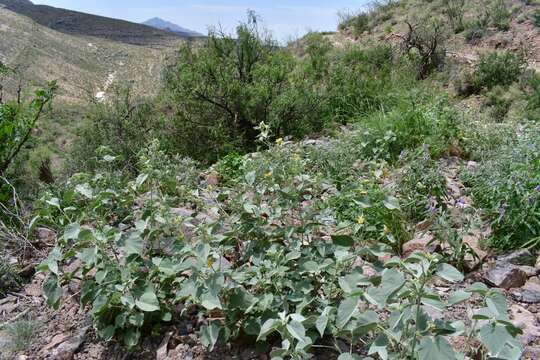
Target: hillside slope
[83,66]
[77,23]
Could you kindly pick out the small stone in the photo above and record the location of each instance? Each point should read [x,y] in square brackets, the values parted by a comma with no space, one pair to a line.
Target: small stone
[505,276]
[526,321]
[530,270]
[67,349]
[520,257]
[33,290]
[57,339]
[530,292]
[45,235]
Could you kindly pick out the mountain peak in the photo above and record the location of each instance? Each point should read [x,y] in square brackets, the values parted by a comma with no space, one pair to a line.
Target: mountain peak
[161,24]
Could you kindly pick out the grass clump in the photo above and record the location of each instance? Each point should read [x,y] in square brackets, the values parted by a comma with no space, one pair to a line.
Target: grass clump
[21,334]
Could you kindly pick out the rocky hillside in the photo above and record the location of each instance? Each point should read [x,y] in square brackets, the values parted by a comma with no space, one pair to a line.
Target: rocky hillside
[81,24]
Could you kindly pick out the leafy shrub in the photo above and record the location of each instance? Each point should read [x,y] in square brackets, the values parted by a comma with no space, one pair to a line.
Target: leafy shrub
[274,264]
[123,125]
[507,186]
[358,23]
[9,279]
[536,17]
[231,167]
[498,103]
[454,9]
[422,186]
[221,91]
[500,16]
[361,81]
[498,69]
[532,94]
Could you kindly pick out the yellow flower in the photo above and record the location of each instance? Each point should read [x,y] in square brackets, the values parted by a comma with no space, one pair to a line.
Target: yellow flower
[210,262]
[361,220]
[210,187]
[268,174]
[279,141]
[386,230]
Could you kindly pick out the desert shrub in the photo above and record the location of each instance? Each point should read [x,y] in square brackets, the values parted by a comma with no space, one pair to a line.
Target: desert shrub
[498,69]
[454,9]
[424,44]
[222,90]
[507,186]
[9,279]
[410,125]
[500,16]
[21,334]
[536,17]
[123,125]
[532,95]
[498,103]
[358,23]
[476,29]
[422,186]
[361,81]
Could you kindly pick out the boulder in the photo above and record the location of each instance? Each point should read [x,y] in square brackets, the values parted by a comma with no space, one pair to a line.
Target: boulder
[529,293]
[506,276]
[520,257]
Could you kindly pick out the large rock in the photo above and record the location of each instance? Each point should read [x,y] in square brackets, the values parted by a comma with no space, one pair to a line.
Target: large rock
[530,292]
[526,321]
[506,276]
[520,257]
[67,349]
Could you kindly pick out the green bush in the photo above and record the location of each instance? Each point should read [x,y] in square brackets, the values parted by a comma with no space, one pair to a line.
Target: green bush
[358,23]
[454,10]
[500,16]
[123,125]
[222,90]
[274,262]
[536,17]
[507,186]
[498,103]
[498,69]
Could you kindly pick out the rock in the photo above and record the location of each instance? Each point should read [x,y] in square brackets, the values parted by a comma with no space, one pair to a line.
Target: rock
[161,353]
[473,240]
[45,235]
[531,353]
[212,179]
[57,339]
[526,321]
[530,270]
[505,276]
[530,292]
[520,257]
[33,290]
[420,241]
[67,349]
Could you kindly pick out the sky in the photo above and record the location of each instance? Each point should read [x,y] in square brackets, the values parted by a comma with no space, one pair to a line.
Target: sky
[286,19]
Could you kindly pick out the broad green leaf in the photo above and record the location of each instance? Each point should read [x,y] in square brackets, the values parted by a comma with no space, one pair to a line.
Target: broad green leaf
[435,348]
[71,232]
[148,302]
[391,282]
[85,190]
[348,356]
[391,203]
[134,244]
[458,297]
[210,301]
[380,347]
[494,337]
[449,273]
[321,323]
[297,330]
[343,240]
[131,338]
[267,328]
[345,311]
[52,291]
[209,335]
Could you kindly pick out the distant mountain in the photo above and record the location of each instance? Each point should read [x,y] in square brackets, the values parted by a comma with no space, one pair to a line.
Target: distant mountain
[161,24]
[81,24]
